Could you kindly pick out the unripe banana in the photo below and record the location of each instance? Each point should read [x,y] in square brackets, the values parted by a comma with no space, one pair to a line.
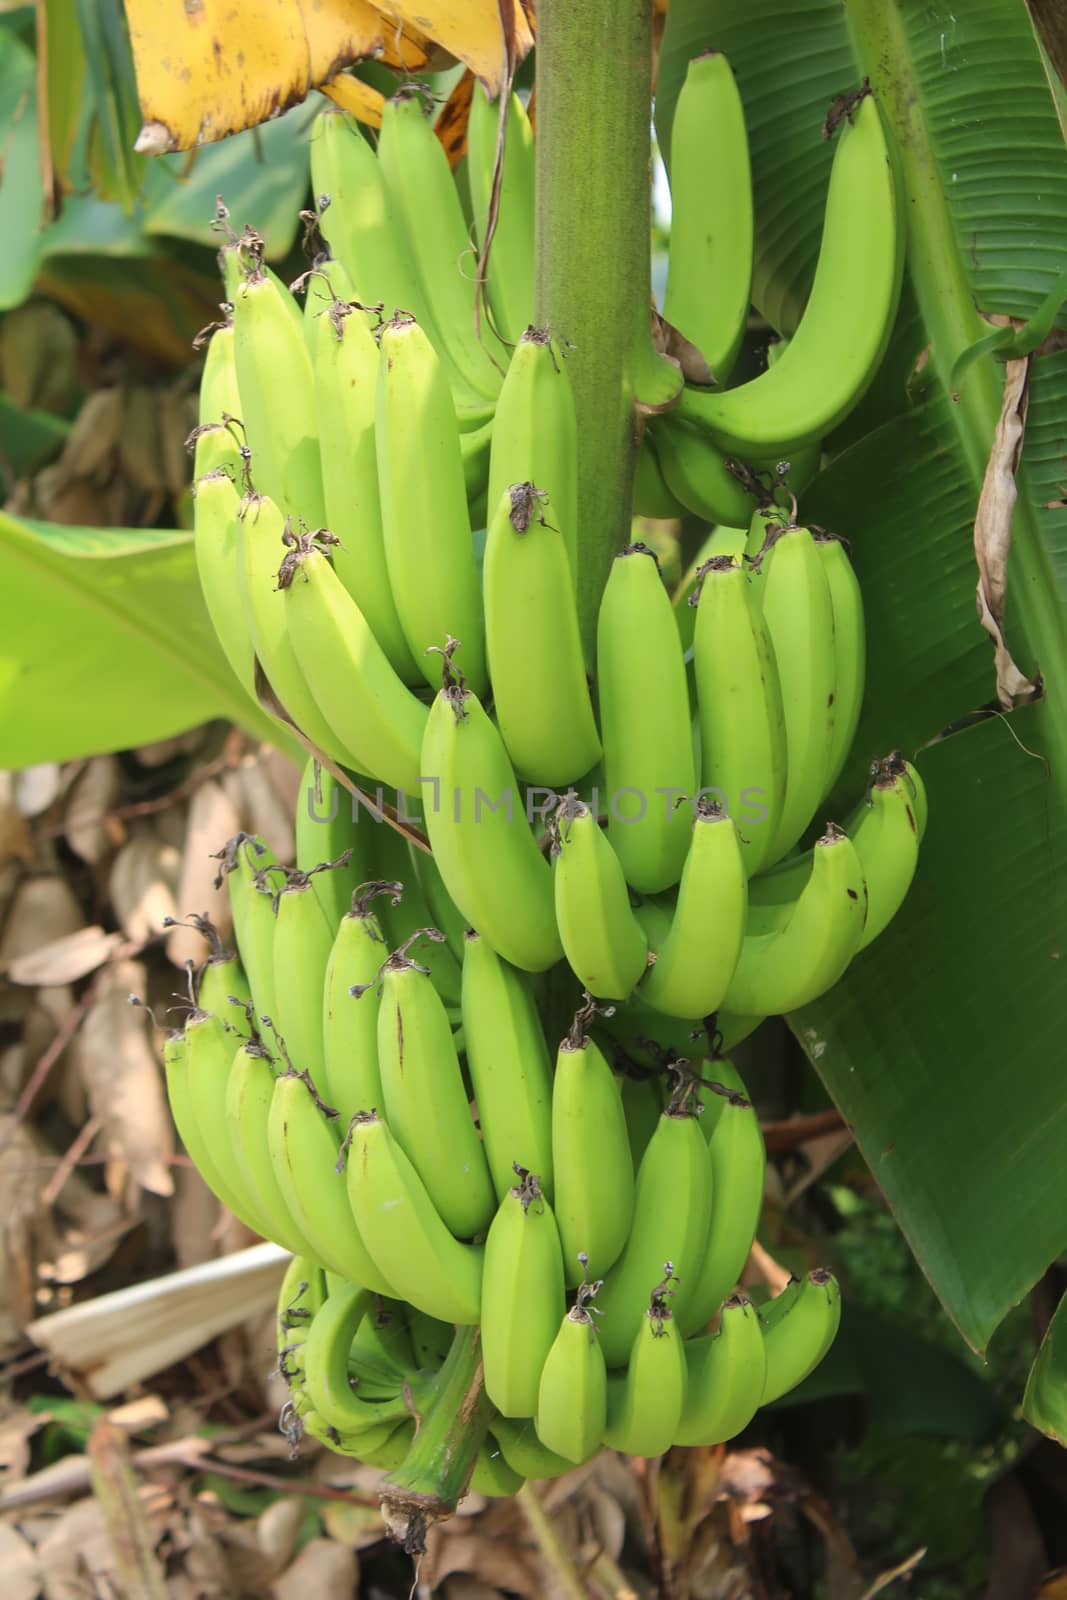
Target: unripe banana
[442,912]
[509,1065]
[738,1168]
[709,276]
[419,182]
[304,1148]
[481,839]
[217,547]
[590,1155]
[351,1079]
[426,1101]
[361,222]
[523,1296]
[404,916]
[510,268]
[198,1102]
[263,534]
[373,717]
[786,969]
[645,1405]
[842,336]
[603,940]
[742,724]
[327,830]
[524,1452]
[672,1210]
[642,1103]
[345,360]
[326,1351]
[222,974]
[572,1405]
[432,1270]
[796,1340]
[302,943]
[652,497]
[535,433]
[252,874]
[795,597]
[850,650]
[492,1476]
[425,523]
[726,1376]
[215,443]
[540,691]
[277,399]
[249,1090]
[697,957]
[696,473]
[646,722]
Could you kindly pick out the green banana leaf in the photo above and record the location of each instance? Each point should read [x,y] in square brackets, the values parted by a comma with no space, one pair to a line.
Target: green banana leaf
[105,642]
[943,1045]
[1045,1400]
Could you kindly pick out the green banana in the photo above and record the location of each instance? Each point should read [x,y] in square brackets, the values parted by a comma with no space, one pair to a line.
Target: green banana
[441,912]
[373,718]
[645,1404]
[510,266]
[222,975]
[217,547]
[652,498]
[345,361]
[425,522]
[572,1403]
[360,221]
[796,1341]
[523,1296]
[263,534]
[419,183]
[696,473]
[534,648]
[727,1371]
[742,724]
[215,444]
[839,343]
[482,842]
[198,1102]
[646,722]
[329,1340]
[509,1065]
[795,598]
[249,1090]
[709,274]
[425,1100]
[523,1450]
[327,830]
[603,940]
[302,943]
[738,1168]
[535,433]
[696,959]
[590,1154]
[304,1149]
[407,914]
[351,1080]
[492,1475]
[277,391]
[788,968]
[431,1269]
[850,650]
[251,870]
[672,1210]
[642,1103]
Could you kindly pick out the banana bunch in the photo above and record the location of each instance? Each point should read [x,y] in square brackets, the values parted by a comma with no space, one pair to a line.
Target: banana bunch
[591,1276]
[452,1068]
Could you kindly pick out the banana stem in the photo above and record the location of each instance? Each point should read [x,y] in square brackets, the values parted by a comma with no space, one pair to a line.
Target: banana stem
[569,1580]
[592,287]
[433,1477]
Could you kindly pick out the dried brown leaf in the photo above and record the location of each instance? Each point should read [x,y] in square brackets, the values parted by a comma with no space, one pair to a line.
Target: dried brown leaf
[267,812]
[44,909]
[37,787]
[19,1565]
[123,1079]
[993,532]
[65,960]
[94,438]
[212,818]
[92,795]
[142,883]
[323,1568]
[277,1528]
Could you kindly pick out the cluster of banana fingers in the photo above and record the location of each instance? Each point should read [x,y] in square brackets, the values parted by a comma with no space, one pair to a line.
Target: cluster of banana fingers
[610,829]
[591,1219]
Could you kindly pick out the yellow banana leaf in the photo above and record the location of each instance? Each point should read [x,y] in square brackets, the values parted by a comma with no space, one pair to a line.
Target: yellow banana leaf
[210,69]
